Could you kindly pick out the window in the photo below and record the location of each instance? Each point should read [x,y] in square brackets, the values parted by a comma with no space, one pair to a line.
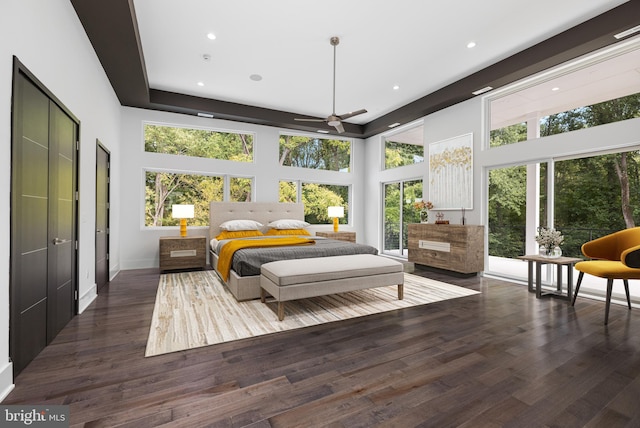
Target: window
[594,196]
[596,90]
[586,117]
[315,153]
[163,189]
[289,191]
[405,147]
[508,135]
[399,210]
[200,143]
[316,199]
[240,189]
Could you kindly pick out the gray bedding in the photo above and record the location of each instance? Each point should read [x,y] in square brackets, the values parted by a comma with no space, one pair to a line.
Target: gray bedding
[247,262]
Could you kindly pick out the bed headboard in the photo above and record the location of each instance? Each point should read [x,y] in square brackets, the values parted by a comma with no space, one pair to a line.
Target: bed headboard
[263,212]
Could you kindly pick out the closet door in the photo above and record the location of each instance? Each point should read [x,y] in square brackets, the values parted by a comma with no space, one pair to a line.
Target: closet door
[29,223]
[62,242]
[102,216]
[43,220]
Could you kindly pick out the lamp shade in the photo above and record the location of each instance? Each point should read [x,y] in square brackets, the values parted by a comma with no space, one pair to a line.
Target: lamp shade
[182,211]
[334,212]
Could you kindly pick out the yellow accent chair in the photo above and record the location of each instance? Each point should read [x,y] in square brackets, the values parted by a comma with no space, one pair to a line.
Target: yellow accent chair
[614,256]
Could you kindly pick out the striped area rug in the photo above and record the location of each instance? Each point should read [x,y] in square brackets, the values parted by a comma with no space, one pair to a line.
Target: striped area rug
[195,309]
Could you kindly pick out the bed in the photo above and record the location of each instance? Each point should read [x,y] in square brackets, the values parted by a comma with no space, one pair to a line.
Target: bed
[244,276]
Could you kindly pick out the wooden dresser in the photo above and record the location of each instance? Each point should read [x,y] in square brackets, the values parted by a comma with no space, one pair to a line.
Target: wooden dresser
[453,247]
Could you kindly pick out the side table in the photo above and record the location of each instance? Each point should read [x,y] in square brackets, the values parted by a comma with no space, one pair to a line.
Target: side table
[340,236]
[559,262]
[183,252]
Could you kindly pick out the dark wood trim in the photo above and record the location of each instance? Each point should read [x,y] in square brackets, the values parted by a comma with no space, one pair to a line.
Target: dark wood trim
[112,29]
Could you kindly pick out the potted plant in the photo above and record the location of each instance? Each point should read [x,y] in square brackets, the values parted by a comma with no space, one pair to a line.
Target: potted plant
[549,241]
[423,208]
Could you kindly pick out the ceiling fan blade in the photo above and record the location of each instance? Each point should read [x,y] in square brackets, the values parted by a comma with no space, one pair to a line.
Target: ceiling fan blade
[309,120]
[352,113]
[339,127]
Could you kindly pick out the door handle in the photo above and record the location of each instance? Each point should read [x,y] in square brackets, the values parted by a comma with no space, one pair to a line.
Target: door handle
[99,231]
[58,241]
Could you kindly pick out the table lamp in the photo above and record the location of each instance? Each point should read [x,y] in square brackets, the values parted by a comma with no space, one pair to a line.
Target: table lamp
[335,213]
[183,212]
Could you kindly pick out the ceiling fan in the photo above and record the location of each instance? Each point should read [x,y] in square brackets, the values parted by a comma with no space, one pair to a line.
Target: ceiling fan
[333,119]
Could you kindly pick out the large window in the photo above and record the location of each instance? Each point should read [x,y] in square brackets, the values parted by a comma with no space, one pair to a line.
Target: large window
[317,198]
[594,196]
[163,189]
[201,143]
[315,153]
[593,92]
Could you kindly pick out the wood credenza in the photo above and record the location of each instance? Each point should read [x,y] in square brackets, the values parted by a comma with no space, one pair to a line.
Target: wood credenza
[453,247]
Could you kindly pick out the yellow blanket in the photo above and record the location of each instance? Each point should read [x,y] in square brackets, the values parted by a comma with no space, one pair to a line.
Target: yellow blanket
[229,249]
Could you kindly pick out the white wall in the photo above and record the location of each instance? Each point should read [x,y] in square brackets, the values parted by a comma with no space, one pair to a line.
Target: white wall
[139,244]
[47,37]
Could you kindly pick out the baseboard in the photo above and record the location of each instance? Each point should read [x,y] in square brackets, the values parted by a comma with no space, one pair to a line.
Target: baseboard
[6,381]
[87,298]
[113,272]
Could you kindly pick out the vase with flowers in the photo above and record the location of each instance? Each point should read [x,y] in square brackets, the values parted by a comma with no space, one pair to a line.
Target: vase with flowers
[423,208]
[549,241]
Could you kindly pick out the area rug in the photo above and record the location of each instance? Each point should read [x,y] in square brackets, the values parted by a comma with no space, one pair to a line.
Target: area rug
[195,309]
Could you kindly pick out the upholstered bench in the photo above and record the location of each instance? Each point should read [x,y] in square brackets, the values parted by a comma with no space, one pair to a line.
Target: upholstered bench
[295,279]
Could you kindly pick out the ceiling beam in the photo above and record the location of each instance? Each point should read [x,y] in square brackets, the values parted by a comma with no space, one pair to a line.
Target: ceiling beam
[113,31]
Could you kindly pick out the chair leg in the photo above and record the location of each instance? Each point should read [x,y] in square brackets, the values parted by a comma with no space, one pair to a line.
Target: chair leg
[575,294]
[626,290]
[606,311]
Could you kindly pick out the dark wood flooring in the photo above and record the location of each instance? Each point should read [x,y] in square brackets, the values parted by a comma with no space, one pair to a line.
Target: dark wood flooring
[500,358]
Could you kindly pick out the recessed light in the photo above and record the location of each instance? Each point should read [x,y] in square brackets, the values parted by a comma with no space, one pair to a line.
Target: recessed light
[628,32]
[255,77]
[482,91]
[471,45]
[396,87]
[200,83]
[207,115]
[393,125]
[555,89]
[206,57]
[211,36]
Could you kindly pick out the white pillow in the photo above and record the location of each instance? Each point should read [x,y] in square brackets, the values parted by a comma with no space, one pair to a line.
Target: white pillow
[288,223]
[236,225]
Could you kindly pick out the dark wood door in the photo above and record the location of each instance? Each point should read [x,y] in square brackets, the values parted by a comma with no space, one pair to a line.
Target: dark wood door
[62,202]
[29,228]
[102,216]
[43,220]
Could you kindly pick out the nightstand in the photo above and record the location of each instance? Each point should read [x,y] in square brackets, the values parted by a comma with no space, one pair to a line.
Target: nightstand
[340,236]
[183,252]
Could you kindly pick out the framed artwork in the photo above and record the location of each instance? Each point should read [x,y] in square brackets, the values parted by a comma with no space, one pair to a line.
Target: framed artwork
[451,173]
